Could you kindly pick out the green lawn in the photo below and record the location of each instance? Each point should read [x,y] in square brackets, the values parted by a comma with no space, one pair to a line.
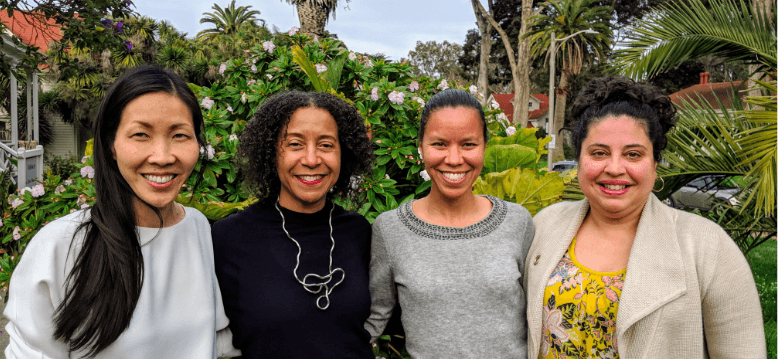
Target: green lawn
[763,264]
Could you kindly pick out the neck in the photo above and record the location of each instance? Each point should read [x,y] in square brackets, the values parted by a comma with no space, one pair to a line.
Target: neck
[607,222]
[449,209]
[146,217]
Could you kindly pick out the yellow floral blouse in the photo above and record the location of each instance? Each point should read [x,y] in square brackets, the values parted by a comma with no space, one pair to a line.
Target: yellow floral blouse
[579,315]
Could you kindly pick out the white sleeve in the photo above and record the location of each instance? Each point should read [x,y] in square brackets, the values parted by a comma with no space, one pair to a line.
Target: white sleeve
[32,291]
[224,348]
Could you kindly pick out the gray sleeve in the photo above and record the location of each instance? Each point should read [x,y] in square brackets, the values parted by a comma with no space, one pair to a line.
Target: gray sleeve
[529,234]
[382,288]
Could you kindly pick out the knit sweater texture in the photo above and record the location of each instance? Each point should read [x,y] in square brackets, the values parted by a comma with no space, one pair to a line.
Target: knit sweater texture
[271,314]
[460,289]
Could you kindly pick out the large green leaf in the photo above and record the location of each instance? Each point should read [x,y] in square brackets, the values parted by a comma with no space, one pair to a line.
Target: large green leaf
[522,187]
[498,158]
[215,210]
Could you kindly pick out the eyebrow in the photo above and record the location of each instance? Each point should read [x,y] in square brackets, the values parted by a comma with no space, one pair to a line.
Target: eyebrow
[631,145]
[297,134]
[149,125]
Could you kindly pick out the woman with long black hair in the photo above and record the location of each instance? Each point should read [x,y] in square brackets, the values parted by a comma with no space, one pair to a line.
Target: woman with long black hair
[132,276]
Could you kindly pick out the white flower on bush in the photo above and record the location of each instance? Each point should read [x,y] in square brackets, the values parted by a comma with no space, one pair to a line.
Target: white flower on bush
[17,202]
[88,172]
[413,86]
[352,56]
[473,89]
[84,206]
[243,97]
[208,152]
[251,82]
[321,68]
[419,100]
[222,68]
[443,85]
[368,62]
[16,234]
[253,68]
[59,190]
[38,190]
[374,94]
[229,108]
[207,103]
[293,30]
[1,222]
[24,190]
[425,175]
[84,159]
[233,137]
[268,46]
[495,105]
[397,97]
[269,76]
[510,131]
[68,182]
[81,200]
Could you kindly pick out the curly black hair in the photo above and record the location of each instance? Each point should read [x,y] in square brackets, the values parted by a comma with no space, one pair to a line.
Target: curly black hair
[615,96]
[259,142]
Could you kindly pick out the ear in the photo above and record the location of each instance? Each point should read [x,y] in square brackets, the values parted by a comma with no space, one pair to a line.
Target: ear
[420,157]
[113,152]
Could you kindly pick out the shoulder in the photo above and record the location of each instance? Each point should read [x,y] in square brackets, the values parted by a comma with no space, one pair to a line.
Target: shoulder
[249,217]
[558,212]
[56,237]
[392,217]
[353,222]
[701,234]
[513,211]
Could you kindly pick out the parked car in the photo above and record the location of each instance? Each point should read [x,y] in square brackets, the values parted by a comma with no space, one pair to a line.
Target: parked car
[703,193]
[562,166]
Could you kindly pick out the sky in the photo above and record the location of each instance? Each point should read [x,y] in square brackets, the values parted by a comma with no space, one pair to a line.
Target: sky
[367,26]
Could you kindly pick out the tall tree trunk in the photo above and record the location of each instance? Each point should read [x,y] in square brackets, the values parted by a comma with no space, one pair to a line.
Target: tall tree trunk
[765,7]
[312,18]
[486,49]
[519,70]
[559,111]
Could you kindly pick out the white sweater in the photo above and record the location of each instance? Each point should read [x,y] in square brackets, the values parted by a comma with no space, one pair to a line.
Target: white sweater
[178,313]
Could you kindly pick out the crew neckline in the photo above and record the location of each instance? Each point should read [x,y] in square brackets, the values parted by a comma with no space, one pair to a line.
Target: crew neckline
[433,231]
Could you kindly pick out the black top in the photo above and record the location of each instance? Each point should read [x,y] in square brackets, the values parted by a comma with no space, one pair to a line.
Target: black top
[271,314]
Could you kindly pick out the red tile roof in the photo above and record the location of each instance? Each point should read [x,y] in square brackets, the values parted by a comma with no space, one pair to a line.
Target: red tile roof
[32,29]
[709,91]
[504,100]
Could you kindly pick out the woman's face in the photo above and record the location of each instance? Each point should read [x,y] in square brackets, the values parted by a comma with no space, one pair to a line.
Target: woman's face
[156,148]
[453,150]
[308,159]
[617,168]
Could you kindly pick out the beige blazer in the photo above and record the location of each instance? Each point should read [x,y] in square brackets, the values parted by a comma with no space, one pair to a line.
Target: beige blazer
[688,291]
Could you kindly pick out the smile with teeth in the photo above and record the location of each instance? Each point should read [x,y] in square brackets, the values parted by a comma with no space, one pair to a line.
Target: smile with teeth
[453,176]
[159,179]
[311,178]
[614,187]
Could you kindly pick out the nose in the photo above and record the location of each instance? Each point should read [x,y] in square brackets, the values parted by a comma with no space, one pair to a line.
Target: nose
[162,153]
[614,166]
[311,157]
[454,156]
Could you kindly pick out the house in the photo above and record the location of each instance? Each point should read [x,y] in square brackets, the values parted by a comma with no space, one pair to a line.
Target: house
[723,91]
[538,108]
[36,30]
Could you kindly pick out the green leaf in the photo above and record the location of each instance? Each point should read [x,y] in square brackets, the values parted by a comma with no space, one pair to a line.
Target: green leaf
[522,187]
[498,158]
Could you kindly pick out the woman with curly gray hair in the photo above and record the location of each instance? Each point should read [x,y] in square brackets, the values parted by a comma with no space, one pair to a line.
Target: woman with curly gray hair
[282,262]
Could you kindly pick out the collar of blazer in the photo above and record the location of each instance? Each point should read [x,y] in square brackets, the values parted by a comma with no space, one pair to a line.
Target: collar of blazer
[655,270]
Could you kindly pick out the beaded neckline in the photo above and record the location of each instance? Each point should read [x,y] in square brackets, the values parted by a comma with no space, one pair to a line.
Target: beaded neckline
[434,231]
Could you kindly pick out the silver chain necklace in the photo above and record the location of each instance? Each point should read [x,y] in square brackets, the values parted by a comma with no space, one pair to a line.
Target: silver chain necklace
[315,288]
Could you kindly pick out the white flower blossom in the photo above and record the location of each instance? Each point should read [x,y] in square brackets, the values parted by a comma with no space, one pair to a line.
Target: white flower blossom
[208,152]
[84,206]
[16,233]
[413,86]
[24,190]
[269,76]
[510,131]
[17,202]
[495,105]
[84,159]
[68,182]
[397,97]
[207,103]
[88,172]
[374,94]
[425,175]
[1,222]
[473,89]
[321,68]
[352,56]
[293,30]
[243,97]
[59,190]
[251,82]
[38,190]
[419,100]
[233,137]
[222,68]
[253,68]
[268,46]
[443,85]
[229,109]
[368,62]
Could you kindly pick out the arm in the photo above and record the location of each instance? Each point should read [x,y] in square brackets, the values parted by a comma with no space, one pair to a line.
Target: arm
[382,288]
[224,346]
[30,308]
[731,312]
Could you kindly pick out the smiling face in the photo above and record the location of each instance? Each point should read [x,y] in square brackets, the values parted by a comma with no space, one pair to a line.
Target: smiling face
[155,148]
[308,159]
[616,169]
[453,151]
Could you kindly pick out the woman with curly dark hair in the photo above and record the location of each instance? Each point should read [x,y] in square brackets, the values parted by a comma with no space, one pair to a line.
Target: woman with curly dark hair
[283,278]
[620,274]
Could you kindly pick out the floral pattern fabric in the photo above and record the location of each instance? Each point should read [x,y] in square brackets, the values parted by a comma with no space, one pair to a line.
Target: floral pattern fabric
[579,312]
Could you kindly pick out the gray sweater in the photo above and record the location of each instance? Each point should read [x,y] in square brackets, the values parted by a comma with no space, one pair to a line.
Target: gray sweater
[460,289]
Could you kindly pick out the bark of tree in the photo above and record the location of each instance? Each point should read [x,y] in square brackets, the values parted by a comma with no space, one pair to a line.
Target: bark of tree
[766,7]
[485,28]
[520,68]
[312,18]
[560,103]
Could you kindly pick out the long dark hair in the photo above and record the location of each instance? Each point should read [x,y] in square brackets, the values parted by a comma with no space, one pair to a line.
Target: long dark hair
[104,285]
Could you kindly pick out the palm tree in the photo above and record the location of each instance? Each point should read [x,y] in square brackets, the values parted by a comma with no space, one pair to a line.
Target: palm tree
[681,31]
[564,18]
[227,21]
[314,14]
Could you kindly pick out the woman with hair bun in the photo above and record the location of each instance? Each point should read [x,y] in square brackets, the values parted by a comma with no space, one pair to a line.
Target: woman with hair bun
[453,261]
[293,267]
[132,276]
[620,274]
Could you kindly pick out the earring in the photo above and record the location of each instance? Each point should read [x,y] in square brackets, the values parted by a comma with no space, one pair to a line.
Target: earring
[663,185]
